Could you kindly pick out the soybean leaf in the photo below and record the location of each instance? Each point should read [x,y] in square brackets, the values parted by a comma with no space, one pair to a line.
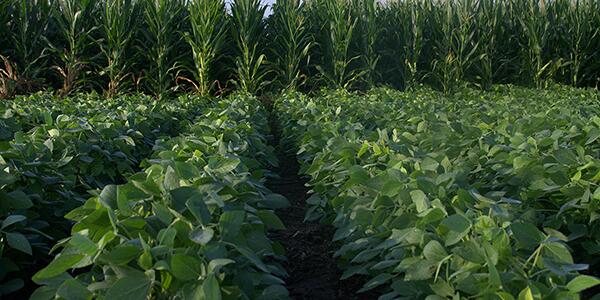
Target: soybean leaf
[231,222]
[376,281]
[18,200]
[215,265]
[134,286]
[211,288]
[12,219]
[527,234]
[270,219]
[454,228]
[19,242]
[59,265]
[109,196]
[73,290]
[83,244]
[276,201]
[171,180]
[202,235]
[582,282]
[420,200]
[434,251]
[252,257]
[199,209]
[223,164]
[122,254]
[185,267]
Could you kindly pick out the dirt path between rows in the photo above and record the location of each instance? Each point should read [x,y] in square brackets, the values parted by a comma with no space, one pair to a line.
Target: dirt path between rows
[313,273]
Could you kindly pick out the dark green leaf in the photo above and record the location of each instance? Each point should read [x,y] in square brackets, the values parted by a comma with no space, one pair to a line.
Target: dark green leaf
[12,219]
[527,234]
[270,219]
[185,267]
[73,290]
[276,201]
[211,288]
[134,286]
[199,209]
[59,265]
[454,228]
[122,254]
[19,200]
[19,242]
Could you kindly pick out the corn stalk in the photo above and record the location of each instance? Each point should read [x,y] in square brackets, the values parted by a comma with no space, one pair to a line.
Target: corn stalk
[456,44]
[334,37]
[401,28]
[118,28]
[488,17]
[72,18]
[444,68]
[5,17]
[248,28]
[8,78]
[291,42]
[163,21]
[30,21]
[209,25]
[413,42]
[7,74]
[534,21]
[575,31]
[464,43]
[368,33]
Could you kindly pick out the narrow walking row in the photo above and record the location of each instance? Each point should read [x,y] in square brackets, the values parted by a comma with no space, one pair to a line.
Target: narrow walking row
[312,269]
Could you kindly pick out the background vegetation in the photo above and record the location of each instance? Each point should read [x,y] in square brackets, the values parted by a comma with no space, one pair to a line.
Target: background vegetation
[160,47]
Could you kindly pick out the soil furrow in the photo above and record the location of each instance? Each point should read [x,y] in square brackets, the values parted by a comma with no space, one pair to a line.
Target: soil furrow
[313,273]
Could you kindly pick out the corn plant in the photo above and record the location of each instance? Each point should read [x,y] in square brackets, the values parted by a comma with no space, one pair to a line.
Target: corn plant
[456,44]
[488,17]
[208,20]
[390,67]
[8,78]
[30,21]
[7,75]
[368,34]
[291,42]
[337,25]
[118,27]
[5,16]
[593,71]
[413,42]
[575,31]
[163,21]
[248,29]
[535,24]
[443,69]
[74,20]
[464,43]
[400,29]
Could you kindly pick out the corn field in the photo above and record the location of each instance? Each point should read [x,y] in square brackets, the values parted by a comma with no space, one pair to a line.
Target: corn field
[162,47]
